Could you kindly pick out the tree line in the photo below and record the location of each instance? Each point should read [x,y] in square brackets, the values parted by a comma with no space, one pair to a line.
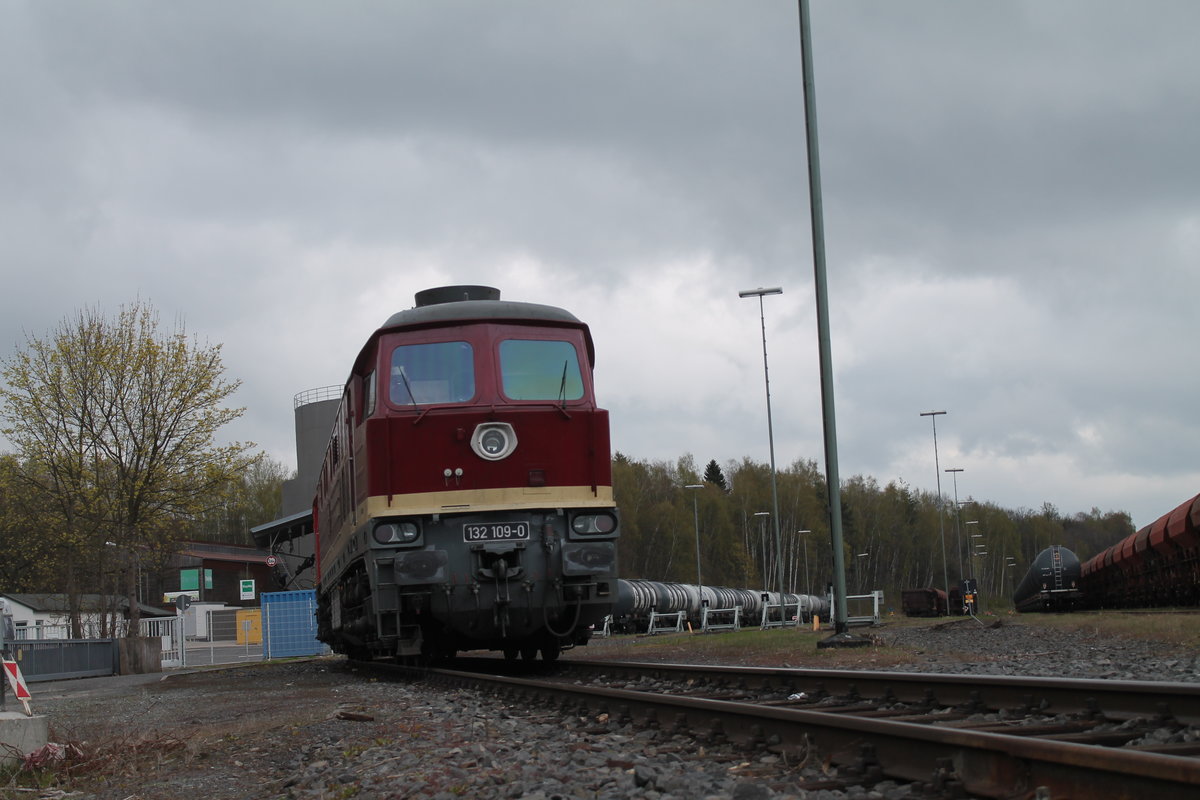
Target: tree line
[115,423]
[894,537]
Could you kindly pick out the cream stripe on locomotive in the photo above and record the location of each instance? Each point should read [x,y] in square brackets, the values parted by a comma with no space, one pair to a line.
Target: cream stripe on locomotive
[502,499]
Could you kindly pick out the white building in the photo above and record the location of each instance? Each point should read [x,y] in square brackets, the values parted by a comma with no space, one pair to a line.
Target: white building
[46,616]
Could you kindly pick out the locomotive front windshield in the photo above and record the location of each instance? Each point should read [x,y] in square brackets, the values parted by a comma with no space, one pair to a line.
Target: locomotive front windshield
[439,372]
[536,369]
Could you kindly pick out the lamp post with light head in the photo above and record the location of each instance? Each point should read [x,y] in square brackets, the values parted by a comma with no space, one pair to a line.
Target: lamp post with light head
[807,583]
[696,517]
[762,544]
[957,516]
[759,293]
[933,415]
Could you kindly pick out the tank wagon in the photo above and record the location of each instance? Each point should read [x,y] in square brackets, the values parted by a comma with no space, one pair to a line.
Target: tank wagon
[465,499]
[1158,565]
[637,598]
[1052,582]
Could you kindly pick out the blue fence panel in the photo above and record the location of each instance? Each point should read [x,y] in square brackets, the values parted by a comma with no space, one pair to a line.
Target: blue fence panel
[290,624]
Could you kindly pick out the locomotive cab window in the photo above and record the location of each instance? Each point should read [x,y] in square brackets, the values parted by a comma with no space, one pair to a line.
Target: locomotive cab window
[368,398]
[536,369]
[438,372]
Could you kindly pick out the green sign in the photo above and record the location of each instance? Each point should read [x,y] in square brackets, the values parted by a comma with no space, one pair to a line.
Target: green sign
[189,580]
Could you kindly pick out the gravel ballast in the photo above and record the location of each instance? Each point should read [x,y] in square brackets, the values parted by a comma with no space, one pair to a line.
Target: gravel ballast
[317,729]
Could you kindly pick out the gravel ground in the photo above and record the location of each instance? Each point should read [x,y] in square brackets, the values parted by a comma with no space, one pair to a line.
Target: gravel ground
[1018,649]
[314,729]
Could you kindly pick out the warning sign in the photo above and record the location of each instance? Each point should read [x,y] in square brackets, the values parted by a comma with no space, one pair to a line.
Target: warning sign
[17,681]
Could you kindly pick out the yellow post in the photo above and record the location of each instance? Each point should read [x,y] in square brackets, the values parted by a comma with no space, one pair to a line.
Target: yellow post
[816,623]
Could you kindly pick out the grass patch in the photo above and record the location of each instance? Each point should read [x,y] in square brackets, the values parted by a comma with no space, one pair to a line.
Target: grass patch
[1176,627]
[791,647]
[787,647]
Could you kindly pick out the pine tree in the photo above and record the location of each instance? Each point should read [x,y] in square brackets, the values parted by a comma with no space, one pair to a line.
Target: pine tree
[713,475]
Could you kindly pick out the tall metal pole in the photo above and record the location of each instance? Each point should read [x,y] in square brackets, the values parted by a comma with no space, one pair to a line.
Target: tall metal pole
[933,415]
[762,541]
[696,516]
[770,437]
[957,517]
[821,286]
[803,538]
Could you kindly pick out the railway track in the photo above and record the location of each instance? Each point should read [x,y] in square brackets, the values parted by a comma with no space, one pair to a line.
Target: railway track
[956,736]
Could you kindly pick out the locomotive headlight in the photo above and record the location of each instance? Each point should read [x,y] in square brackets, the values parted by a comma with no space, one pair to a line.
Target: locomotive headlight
[494,440]
[594,523]
[396,532]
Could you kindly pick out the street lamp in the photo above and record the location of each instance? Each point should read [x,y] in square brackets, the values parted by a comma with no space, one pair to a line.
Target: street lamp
[933,415]
[807,584]
[857,570]
[696,516]
[957,516]
[762,543]
[759,293]
[1011,564]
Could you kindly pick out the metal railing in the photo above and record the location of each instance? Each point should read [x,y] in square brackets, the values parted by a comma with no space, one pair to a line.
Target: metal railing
[665,625]
[729,619]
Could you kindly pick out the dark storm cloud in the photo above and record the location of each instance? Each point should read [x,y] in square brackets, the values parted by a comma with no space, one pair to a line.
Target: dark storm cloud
[1011,208]
[982,125]
[472,88]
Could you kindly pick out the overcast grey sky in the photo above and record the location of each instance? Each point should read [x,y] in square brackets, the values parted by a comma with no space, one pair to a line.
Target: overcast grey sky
[1012,209]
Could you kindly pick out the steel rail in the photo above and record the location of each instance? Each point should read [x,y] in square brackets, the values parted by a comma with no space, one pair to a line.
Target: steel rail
[1119,700]
[988,764]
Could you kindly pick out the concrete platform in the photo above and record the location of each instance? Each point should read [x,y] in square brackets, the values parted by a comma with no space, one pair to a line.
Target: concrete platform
[21,735]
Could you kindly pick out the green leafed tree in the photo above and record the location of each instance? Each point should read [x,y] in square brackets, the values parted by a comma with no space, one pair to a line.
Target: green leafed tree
[248,499]
[27,556]
[115,420]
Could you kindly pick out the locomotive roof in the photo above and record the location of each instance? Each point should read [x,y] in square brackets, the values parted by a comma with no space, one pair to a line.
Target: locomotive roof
[478,310]
[447,314]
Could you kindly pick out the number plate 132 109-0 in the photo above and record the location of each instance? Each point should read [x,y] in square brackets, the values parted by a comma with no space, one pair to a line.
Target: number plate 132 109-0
[496,532]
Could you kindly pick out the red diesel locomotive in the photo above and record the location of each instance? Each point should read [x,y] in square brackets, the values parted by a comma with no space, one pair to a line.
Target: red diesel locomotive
[465,500]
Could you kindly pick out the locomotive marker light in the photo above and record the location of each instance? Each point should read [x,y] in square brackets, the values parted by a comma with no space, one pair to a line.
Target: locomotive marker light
[603,523]
[494,441]
[770,434]
[396,532]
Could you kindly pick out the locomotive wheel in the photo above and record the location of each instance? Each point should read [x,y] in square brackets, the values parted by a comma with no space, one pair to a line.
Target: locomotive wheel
[551,650]
[510,653]
[529,653]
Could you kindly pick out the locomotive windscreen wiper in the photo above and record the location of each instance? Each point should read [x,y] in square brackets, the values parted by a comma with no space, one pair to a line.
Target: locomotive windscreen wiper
[562,387]
[412,398]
